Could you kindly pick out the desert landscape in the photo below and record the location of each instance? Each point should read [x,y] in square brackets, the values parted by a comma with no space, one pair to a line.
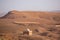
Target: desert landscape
[44,25]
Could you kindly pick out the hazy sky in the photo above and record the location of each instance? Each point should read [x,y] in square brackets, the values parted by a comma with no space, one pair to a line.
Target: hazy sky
[28,5]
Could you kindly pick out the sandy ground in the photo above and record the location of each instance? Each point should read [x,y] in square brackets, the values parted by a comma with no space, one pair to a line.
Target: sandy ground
[44,25]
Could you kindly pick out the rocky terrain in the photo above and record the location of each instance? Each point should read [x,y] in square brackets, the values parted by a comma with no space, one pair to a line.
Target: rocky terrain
[44,25]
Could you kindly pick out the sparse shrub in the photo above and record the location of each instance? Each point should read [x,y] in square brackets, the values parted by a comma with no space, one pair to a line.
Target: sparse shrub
[21,24]
[52,29]
[44,34]
[36,30]
[50,36]
[24,16]
[58,38]
[58,32]
[56,18]
[45,17]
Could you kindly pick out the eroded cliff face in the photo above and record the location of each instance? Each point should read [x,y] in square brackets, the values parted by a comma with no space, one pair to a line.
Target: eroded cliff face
[45,25]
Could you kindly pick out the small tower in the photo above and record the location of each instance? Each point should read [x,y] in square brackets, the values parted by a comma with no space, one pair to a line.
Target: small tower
[27,32]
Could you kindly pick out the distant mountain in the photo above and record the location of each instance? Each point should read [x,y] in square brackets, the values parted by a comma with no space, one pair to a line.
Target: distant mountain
[55,11]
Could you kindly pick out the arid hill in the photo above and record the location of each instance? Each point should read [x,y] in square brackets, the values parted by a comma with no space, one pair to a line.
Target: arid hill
[45,25]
